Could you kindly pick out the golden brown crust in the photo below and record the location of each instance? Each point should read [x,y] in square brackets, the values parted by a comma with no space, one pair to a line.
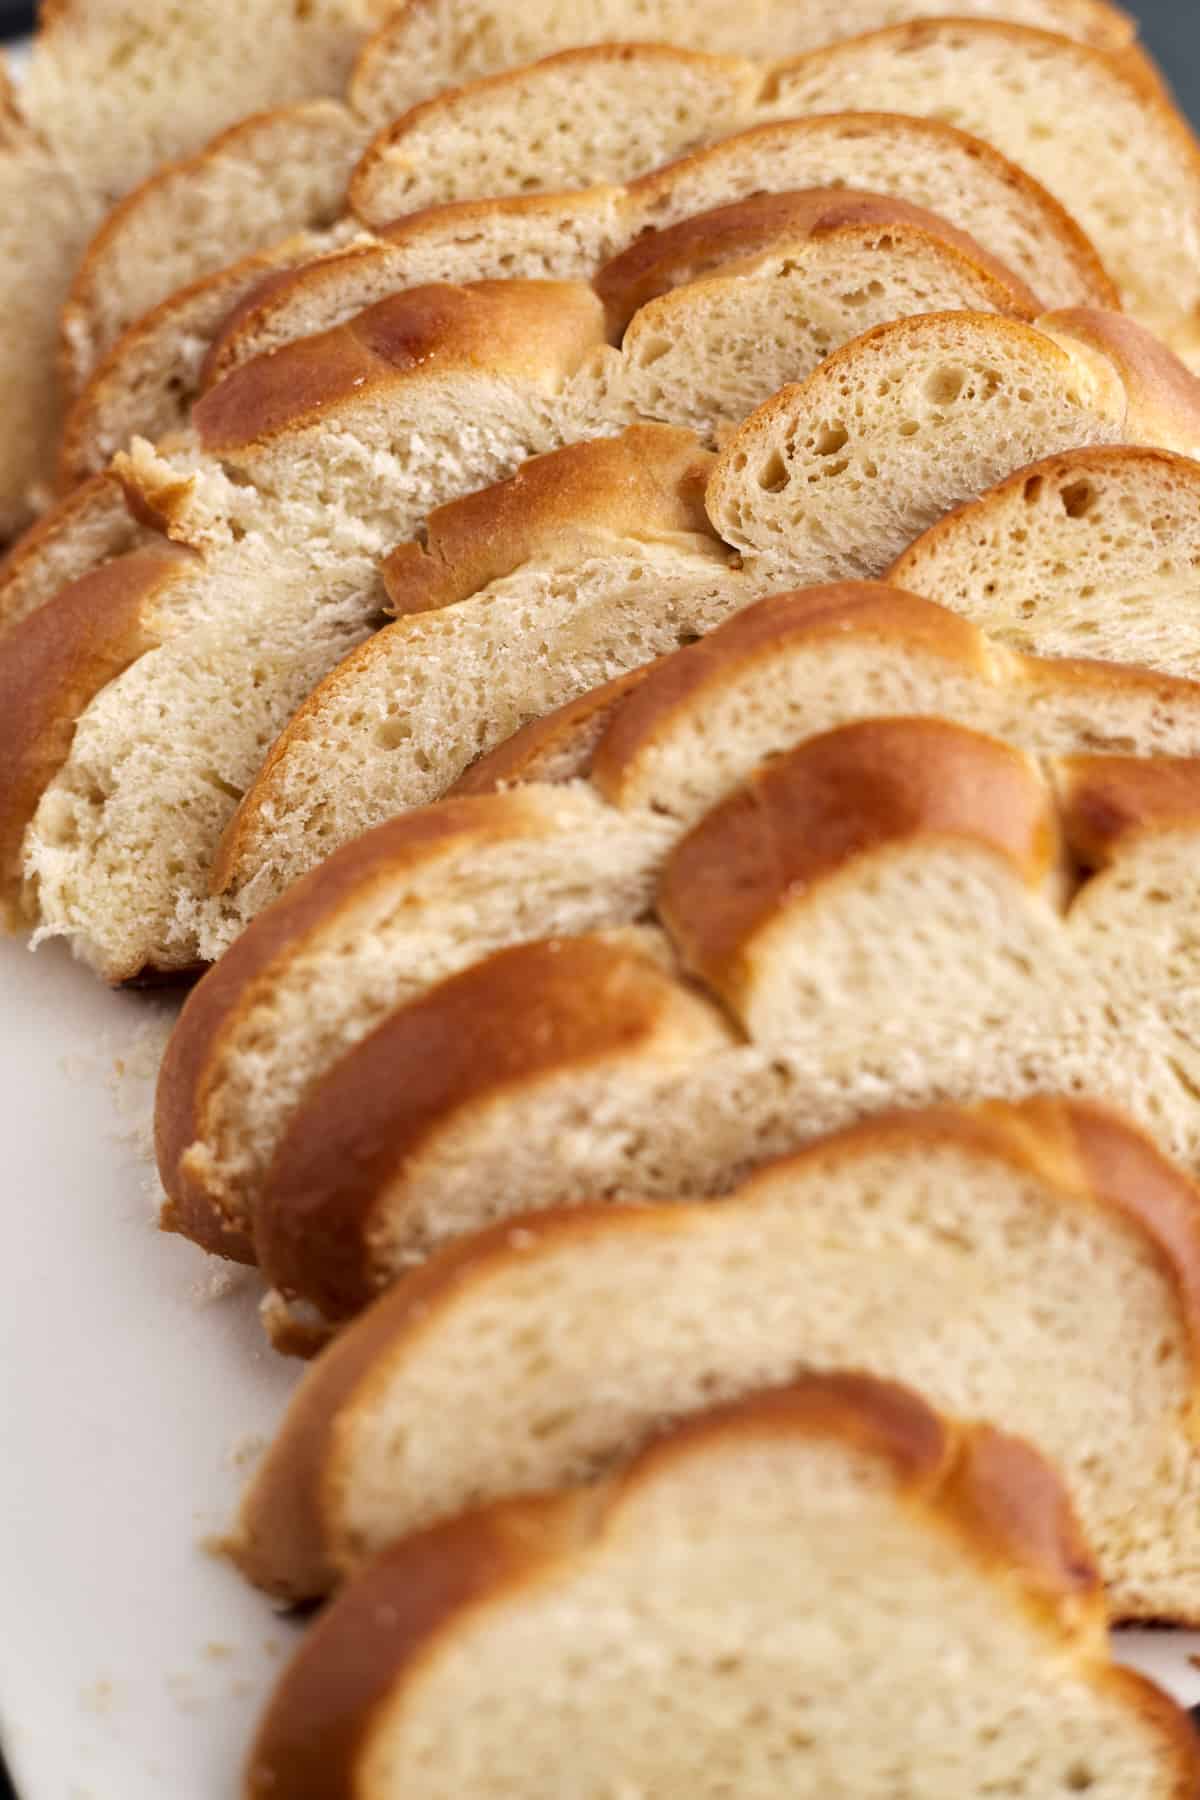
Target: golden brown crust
[660,261]
[541,330]
[261,954]
[1002,1503]
[51,665]
[227,349]
[1163,395]
[757,636]
[503,1021]
[647,483]
[1106,801]
[807,816]
[561,745]
[88,526]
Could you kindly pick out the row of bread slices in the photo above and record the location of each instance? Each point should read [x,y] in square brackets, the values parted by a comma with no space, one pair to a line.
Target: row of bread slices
[829,1588]
[156,644]
[112,92]
[141,700]
[1086,121]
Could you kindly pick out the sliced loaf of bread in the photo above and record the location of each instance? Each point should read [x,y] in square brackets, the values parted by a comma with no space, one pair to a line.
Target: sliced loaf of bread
[305,465]
[285,171]
[827,1588]
[825,481]
[898,912]
[417,898]
[147,380]
[614,111]
[964,1251]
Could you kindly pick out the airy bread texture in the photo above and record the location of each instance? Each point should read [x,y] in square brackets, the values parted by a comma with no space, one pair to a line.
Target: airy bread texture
[149,377]
[826,481]
[431,891]
[306,465]
[614,111]
[826,1588]
[1022,1238]
[1098,554]
[112,90]
[898,912]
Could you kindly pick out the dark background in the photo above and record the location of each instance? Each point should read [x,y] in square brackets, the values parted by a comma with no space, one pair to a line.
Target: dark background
[1171,29]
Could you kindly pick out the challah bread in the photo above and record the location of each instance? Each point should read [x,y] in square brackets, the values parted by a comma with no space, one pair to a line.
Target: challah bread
[426,893]
[111,91]
[149,378]
[825,1588]
[827,480]
[612,112]
[883,917]
[1049,1235]
[91,526]
[898,427]
[305,465]
[1097,549]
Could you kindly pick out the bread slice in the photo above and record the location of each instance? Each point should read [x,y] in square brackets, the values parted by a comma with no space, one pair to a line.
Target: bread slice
[1098,552]
[110,92]
[825,1588]
[427,893]
[305,465]
[612,112]
[1022,1238]
[898,427]
[827,480]
[148,379]
[885,918]
[265,178]
[91,526]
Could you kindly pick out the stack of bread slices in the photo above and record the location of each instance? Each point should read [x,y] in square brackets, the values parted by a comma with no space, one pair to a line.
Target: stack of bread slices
[626,592]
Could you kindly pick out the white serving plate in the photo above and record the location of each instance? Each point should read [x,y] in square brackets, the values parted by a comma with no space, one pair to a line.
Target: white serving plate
[133,1662]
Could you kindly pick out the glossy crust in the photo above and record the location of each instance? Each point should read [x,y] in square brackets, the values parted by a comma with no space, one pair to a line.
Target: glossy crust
[262,954]
[537,1008]
[1002,1504]
[51,665]
[647,483]
[1164,395]
[810,815]
[540,330]
[288,1539]
[1106,801]
[660,261]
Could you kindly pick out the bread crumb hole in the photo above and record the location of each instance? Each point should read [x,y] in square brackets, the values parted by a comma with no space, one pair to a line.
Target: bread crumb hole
[831,439]
[1078,499]
[1033,489]
[392,733]
[1079,1778]
[943,386]
[772,475]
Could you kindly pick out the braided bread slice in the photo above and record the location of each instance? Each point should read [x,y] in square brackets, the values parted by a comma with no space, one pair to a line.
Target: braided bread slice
[305,465]
[881,917]
[1048,1235]
[431,891]
[613,112]
[147,381]
[822,1589]
[827,480]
